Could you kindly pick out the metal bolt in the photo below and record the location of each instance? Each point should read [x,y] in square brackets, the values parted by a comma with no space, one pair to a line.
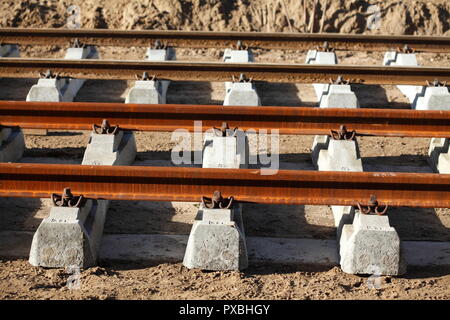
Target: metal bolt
[67,199]
[105,128]
[325,47]
[343,134]
[217,201]
[339,80]
[406,49]
[372,207]
[436,83]
[224,131]
[77,44]
[48,75]
[146,77]
[242,79]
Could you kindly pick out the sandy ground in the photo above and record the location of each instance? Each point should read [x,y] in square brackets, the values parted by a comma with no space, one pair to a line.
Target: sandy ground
[172,281]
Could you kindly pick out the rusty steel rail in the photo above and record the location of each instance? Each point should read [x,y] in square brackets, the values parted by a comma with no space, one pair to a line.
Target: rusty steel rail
[245,185]
[288,120]
[198,39]
[213,71]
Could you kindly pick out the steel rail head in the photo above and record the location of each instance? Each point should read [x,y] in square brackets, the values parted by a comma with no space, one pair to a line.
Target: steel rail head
[199,39]
[244,185]
[287,120]
[213,71]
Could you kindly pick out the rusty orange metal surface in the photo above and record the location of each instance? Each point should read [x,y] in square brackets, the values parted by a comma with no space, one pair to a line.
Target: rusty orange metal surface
[288,120]
[217,71]
[200,39]
[246,185]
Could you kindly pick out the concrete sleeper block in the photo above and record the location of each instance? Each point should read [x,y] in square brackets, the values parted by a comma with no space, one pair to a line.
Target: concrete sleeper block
[371,246]
[320,142]
[434,98]
[241,94]
[406,59]
[320,57]
[226,152]
[48,90]
[12,144]
[339,96]
[160,54]
[216,241]
[108,149]
[341,155]
[443,165]
[438,153]
[393,58]
[149,92]
[412,92]
[389,58]
[9,50]
[238,56]
[70,236]
[321,89]
[88,52]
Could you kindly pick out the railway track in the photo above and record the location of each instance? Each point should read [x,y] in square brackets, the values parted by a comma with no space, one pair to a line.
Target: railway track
[372,192]
[245,185]
[196,39]
[212,71]
[288,120]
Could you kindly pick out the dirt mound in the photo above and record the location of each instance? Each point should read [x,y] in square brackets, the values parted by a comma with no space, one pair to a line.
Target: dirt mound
[421,17]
